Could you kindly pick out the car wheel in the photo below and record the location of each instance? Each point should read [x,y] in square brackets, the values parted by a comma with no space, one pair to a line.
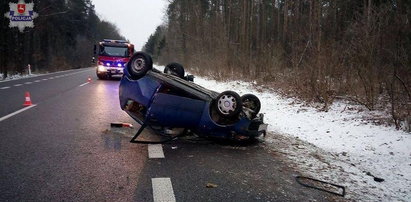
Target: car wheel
[251,105]
[228,104]
[139,64]
[175,69]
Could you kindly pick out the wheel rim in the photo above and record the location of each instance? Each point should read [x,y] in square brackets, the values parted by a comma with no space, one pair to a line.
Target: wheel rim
[171,71]
[250,104]
[138,64]
[227,104]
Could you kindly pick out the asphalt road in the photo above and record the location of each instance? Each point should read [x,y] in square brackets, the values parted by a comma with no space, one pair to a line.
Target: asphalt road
[63,149]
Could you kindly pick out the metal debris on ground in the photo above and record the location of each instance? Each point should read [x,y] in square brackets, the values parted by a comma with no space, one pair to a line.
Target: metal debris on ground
[321,185]
[377,179]
[211,185]
[121,125]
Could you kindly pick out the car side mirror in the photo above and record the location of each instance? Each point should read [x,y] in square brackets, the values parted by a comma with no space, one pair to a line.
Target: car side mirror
[189,78]
[93,60]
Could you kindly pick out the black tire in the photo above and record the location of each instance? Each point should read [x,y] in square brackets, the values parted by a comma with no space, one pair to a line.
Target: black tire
[139,64]
[228,104]
[251,105]
[175,69]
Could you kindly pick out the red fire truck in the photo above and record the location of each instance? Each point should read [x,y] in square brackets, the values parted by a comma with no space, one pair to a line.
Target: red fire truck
[112,56]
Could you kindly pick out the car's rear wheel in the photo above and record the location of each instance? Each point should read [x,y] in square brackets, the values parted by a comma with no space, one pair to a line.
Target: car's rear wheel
[175,69]
[251,105]
[228,104]
[139,64]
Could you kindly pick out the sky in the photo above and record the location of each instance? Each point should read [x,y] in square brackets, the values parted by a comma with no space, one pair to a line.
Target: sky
[136,19]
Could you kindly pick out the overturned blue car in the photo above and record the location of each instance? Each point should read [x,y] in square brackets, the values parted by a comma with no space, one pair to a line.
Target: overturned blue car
[171,104]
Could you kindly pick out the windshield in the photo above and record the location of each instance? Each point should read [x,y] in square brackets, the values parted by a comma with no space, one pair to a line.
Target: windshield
[114,51]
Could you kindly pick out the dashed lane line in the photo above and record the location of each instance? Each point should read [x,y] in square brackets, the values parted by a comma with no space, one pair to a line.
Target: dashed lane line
[162,190]
[155,151]
[50,78]
[67,71]
[16,112]
[84,84]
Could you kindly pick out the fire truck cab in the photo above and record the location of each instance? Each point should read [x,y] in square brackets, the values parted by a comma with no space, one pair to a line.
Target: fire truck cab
[112,56]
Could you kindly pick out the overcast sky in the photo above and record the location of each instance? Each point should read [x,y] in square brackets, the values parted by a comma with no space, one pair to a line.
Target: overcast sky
[136,19]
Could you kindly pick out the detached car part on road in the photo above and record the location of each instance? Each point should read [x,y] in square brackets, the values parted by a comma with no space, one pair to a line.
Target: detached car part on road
[171,104]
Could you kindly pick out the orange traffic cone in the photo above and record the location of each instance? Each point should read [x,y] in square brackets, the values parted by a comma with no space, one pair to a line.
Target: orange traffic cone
[28,100]
[89,79]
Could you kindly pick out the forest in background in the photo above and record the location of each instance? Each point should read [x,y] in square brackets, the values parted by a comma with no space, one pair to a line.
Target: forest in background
[62,38]
[318,50]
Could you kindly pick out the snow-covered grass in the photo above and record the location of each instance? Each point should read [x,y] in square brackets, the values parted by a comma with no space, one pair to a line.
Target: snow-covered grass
[355,146]
[35,74]
[16,76]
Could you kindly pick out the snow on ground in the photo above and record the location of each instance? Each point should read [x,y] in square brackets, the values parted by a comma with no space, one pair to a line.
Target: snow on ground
[358,149]
[22,76]
[336,146]
[17,76]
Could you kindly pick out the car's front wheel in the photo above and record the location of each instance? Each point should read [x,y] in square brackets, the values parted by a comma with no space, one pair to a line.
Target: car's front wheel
[139,64]
[251,105]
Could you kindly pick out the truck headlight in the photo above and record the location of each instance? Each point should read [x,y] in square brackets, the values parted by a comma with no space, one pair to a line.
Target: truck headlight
[101,68]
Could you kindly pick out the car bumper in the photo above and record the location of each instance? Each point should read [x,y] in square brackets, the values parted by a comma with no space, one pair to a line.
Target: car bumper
[110,70]
[115,71]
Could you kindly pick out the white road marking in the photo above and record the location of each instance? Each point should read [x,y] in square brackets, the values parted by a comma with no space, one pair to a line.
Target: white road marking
[5,87]
[155,151]
[162,190]
[37,81]
[44,79]
[46,74]
[16,112]
[84,84]
[51,78]
[27,83]
[18,85]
